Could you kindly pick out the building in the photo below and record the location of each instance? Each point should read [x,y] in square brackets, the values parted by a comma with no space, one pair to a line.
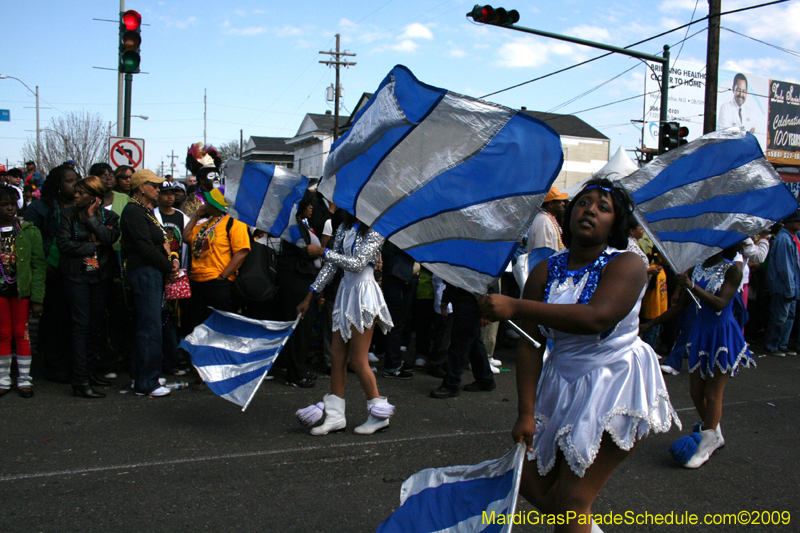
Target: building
[313,142]
[272,150]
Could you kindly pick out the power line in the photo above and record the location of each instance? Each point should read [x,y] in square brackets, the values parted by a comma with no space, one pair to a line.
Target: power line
[687,30]
[782,49]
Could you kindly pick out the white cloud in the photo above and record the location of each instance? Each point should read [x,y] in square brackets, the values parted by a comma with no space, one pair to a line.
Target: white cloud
[416,31]
[764,66]
[530,52]
[671,6]
[253,30]
[775,24]
[591,33]
[287,31]
[406,45]
[454,50]
[183,24]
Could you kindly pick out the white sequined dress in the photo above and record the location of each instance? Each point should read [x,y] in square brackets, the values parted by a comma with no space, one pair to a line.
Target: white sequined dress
[594,383]
[359,300]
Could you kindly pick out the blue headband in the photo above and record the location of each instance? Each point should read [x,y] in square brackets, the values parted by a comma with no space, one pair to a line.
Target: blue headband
[607,189]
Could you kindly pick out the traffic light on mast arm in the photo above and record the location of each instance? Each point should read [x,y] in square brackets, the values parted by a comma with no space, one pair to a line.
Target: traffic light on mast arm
[130,38]
[671,135]
[490,15]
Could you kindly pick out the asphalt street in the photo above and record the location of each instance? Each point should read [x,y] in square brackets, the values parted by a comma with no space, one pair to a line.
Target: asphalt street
[195,462]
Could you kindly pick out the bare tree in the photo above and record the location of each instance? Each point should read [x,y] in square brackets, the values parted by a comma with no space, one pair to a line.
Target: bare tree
[79,136]
[229,150]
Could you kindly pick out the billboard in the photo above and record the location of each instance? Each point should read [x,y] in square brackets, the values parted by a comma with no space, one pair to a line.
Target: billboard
[769,109]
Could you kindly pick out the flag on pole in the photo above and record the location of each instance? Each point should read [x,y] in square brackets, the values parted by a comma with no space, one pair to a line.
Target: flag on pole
[265,196]
[460,499]
[233,353]
[454,181]
[708,195]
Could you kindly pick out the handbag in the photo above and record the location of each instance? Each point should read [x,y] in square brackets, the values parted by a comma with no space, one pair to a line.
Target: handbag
[178,289]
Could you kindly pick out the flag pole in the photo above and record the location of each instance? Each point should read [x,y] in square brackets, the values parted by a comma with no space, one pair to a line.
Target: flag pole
[524,334]
[250,399]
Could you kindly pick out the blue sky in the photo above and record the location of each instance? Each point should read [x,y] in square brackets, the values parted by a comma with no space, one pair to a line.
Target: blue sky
[259,61]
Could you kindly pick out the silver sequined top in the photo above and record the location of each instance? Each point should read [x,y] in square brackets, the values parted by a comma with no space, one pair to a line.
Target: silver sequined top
[711,278]
[350,251]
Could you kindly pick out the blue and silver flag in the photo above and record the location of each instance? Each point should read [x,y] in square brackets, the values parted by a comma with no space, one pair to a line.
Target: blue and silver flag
[265,196]
[452,180]
[707,196]
[460,499]
[233,353]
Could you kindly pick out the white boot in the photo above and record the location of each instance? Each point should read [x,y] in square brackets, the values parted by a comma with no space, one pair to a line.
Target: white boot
[720,438]
[334,416]
[379,412]
[708,444]
[596,528]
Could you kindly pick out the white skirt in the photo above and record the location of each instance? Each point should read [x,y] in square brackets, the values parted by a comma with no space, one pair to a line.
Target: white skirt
[359,303]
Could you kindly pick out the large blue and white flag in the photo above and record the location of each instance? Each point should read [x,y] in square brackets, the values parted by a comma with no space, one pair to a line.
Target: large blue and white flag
[265,196]
[233,353]
[460,499]
[708,195]
[452,180]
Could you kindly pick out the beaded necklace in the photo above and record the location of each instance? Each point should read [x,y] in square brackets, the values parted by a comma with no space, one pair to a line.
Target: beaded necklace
[555,223]
[152,218]
[10,279]
[202,236]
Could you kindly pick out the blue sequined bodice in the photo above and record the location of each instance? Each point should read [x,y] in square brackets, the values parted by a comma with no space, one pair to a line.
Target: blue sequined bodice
[559,279]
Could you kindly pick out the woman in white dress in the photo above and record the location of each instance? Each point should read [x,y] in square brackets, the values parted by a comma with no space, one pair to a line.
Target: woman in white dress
[359,306]
[582,411]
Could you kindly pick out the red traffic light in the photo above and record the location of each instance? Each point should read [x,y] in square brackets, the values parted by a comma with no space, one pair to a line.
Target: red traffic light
[131,20]
[490,15]
[481,13]
[683,131]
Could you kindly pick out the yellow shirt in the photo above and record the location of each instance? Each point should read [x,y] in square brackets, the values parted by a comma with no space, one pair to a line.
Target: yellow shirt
[217,248]
[656,300]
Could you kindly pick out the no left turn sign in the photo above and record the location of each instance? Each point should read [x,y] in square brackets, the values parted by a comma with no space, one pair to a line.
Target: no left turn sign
[125,151]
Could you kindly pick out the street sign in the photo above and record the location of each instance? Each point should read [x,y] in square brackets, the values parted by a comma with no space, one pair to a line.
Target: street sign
[5,115]
[125,151]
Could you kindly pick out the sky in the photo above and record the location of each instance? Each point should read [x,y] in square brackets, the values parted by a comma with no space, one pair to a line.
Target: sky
[259,61]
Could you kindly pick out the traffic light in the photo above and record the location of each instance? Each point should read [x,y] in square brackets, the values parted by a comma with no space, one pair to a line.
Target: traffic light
[490,15]
[668,136]
[130,29]
[683,132]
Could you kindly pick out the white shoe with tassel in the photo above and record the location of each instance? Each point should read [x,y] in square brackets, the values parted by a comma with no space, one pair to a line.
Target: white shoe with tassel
[380,410]
[334,416]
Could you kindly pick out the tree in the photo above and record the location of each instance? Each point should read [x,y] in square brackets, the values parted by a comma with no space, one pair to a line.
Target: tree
[229,150]
[79,136]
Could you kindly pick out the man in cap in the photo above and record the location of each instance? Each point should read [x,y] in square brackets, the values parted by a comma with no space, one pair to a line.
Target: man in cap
[545,231]
[783,283]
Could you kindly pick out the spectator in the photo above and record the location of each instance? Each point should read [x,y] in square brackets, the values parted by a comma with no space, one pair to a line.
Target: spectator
[145,243]
[398,274]
[14,179]
[122,176]
[783,282]
[545,230]
[22,285]
[86,234]
[32,174]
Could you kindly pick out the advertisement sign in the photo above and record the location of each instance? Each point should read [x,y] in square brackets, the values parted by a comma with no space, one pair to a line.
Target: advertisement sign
[783,129]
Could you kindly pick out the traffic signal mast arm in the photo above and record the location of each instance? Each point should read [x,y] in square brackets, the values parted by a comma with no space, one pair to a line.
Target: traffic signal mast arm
[505,19]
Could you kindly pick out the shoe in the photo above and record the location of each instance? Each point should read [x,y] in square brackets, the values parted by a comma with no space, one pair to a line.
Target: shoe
[419,363]
[179,372]
[372,358]
[97,382]
[404,349]
[436,371]
[86,391]
[776,353]
[477,387]
[495,370]
[374,369]
[789,352]
[397,374]
[110,375]
[25,392]
[444,392]
[3,392]
[334,416]
[708,444]
[495,362]
[669,370]
[161,391]
[302,383]
[380,410]
[407,367]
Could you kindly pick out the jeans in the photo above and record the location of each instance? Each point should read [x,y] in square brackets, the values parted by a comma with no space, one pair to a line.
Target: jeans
[147,284]
[398,295]
[465,342]
[781,320]
[87,300]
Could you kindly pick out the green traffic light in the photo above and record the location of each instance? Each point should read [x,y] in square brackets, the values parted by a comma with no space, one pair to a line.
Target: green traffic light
[129,62]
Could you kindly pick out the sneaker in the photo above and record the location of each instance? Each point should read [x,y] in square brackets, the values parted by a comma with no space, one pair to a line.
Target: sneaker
[407,367]
[404,349]
[179,372]
[495,370]
[110,375]
[444,392]
[495,362]
[302,383]
[155,393]
[373,358]
[374,369]
[397,374]
[478,387]
[669,370]
[789,352]
[419,363]
[776,353]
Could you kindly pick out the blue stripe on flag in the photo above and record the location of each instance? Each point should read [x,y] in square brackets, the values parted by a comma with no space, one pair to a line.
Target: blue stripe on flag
[487,257]
[221,388]
[417,99]
[761,203]
[538,255]
[284,217]
[711,160]
[208,355]
[464,185]
[437,508]
[707,237]
[240,328]
[295,235]
[253,187]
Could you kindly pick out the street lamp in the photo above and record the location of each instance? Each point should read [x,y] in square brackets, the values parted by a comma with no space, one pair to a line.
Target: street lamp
[38,144]
[110,125]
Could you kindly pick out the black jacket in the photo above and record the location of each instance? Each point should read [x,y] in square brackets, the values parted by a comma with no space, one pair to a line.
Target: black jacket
[104,226]
[294,262]
[396,262]
[142,240]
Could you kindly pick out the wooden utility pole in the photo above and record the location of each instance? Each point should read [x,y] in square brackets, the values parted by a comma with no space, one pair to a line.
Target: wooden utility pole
[336,63]
[712,67]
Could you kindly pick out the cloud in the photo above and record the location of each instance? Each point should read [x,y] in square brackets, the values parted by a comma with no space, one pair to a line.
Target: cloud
[287,31]
[775,24]
[454,50]
[671,6]
[764,66]
[525,52]
[590,33]
[183,24]
[253,30]
[406,45]
[416,31]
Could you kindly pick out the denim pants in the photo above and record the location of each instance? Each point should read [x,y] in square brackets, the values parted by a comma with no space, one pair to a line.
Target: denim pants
[399,298]
[87,300]
[466,343]
[781,320]
[147,284]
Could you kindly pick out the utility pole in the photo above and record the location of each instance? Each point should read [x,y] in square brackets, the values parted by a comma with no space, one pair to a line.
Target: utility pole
[241,142]
[172,165]
[336,63]
[205,114]
[712,66]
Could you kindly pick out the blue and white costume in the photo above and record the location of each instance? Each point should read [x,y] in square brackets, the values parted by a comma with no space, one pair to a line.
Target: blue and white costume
[716,339]
[594,383]
[359,300]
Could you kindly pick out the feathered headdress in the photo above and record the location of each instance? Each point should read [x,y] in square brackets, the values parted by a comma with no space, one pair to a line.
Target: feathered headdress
[202,159]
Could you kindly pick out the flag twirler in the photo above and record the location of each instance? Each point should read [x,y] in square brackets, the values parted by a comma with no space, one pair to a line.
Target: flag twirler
[460,499]
[454,181]
[233,353]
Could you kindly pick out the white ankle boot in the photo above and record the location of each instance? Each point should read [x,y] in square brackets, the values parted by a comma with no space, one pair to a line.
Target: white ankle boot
[710,442]
[379,412]
[719,436]
[334,416]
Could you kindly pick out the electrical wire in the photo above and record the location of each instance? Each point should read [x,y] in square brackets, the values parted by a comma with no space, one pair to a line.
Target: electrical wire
[782,49]
[691,19]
